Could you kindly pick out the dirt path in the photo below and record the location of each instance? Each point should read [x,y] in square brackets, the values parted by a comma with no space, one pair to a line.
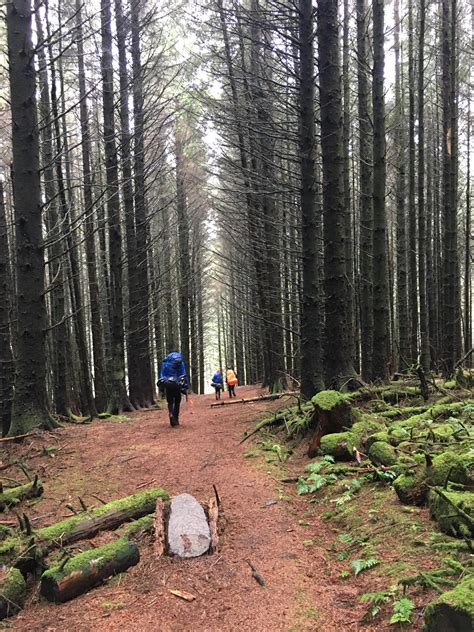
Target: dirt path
[110,459]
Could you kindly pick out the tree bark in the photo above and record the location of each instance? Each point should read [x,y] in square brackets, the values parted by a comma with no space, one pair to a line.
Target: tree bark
[365,195]
[311,316]
[118,399]
[380,358]
[30,406]
[338,364]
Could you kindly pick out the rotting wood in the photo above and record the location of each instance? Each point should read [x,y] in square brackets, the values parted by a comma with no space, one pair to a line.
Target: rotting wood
[15,495]
[159,546]
[260,398]
[213,519]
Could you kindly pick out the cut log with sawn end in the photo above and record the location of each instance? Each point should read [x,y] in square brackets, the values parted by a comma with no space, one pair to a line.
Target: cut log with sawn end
[87,570]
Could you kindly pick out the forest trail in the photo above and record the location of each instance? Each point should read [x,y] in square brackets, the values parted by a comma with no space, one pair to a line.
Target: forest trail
[111,459]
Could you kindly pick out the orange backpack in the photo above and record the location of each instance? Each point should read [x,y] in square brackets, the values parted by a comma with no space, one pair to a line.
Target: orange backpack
[231,377]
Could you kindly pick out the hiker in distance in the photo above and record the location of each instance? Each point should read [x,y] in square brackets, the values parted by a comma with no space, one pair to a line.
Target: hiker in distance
[218,383]
[174,380]
[231,379]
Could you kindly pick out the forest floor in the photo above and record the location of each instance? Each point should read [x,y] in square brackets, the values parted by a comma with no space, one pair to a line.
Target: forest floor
[287,539]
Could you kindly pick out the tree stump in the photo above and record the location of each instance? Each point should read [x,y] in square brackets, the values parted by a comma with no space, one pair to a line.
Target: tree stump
[12,592]
[332,413]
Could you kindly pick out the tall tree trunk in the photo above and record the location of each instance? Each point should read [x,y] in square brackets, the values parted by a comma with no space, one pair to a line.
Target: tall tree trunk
[311,317]
[450,263]
[424,315]
[183,254]
[100,384]
[380,357]
[337,356]
[30,406]
[346,133]
[56,263]
[404,351]
[141,311]
[365,193]
[118,399]
[6,359]
[412,216]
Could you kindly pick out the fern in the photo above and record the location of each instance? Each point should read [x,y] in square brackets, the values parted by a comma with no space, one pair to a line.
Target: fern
[363,565]
[402,611]
[375,601]
[314,482]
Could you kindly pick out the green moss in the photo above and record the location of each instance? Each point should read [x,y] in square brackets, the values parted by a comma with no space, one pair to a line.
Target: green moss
[366,428]
[137,527]
[5,532]
[339,445]
[89,568]
[459,467]
[377,436]
[382,453]
[449,520]
[12,593]
[143,503]
[397,434]
[15,495]
[328,400]
[443,433]
[411,488]
[453,611]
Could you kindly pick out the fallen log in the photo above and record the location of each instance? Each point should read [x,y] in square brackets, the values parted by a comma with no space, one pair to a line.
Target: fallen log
[27,553]
[12,592]
[14,495]
[104,518]
[259,398]
[86,570]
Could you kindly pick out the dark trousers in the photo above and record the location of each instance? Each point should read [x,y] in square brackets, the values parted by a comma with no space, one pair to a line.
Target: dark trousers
[218,392]
[173,397]
[231,390]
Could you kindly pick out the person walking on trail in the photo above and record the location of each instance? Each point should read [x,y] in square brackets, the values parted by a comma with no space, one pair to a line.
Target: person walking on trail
[174,380]
[218,383]
[231,379]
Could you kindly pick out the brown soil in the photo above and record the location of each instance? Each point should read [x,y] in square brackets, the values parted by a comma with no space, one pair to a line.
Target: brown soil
[109,459]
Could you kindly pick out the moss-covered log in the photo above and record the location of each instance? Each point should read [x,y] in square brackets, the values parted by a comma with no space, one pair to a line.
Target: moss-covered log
[412,486]
[340,445]
[14,495]
[12,592]
[103,518]
[86,570]
[453,611]
[382,453]
[332,413]
[26,552]
[453,511]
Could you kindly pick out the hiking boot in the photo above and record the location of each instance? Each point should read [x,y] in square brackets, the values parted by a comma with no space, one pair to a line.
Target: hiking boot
[172,422]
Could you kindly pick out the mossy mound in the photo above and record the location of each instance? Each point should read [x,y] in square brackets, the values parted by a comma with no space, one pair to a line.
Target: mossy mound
[411,488]
[339,445]
[366,428]
[453,611]
[12,592]
[397,434]
[453,511]
[382,453]
[328,400]
[377,436]
[452,467]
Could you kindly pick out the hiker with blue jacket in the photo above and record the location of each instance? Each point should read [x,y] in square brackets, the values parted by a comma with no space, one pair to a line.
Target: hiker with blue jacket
[218,383]
[174,379]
